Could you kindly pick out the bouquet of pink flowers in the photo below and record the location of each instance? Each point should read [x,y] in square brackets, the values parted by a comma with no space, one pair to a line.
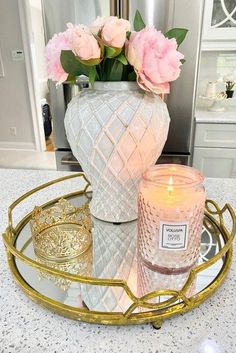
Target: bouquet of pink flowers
[108,51]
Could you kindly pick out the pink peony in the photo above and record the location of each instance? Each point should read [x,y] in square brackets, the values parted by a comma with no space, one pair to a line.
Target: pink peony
[84,43]
[61,41]
[155,59]
[114,31]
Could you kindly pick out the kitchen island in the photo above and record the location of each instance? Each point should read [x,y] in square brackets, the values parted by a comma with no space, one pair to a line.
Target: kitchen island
[26,327]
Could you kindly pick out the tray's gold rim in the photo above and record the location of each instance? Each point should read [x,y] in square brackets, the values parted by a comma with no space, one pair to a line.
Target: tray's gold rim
[116,318]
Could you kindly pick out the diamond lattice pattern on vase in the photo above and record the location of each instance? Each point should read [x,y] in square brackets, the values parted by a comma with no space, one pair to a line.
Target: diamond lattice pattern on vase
[116,136]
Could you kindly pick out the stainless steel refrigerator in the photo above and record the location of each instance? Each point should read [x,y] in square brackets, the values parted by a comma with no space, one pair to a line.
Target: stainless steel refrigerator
[164,14]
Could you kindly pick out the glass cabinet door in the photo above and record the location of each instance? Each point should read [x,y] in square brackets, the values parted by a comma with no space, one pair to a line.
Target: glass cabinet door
[220,20]
[223,14]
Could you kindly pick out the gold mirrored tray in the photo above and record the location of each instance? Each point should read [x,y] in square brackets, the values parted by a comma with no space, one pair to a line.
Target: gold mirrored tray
[108,283]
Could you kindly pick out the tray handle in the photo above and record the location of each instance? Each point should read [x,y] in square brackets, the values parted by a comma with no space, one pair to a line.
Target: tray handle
[39,188]
[213,211]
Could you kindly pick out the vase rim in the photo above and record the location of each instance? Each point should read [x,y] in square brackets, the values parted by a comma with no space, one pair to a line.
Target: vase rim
[116,85]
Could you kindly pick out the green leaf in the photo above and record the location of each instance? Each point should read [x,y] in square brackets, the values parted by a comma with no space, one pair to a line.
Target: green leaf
[71,65]
[132,76]
[128,34]
[69,62]
[122,59]
[71,78]
[116,71]
[111,52]
[138,22]
[113,70]
[90,62]
[92,74]
[127,69]
[178,33]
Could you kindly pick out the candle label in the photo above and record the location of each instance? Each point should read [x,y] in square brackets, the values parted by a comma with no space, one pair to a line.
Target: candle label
[173,236]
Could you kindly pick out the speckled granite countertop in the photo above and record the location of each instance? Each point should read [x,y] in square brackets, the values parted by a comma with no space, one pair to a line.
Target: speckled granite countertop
[202,115]
[26,327]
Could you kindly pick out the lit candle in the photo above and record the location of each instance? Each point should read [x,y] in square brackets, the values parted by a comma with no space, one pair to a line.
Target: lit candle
[171,208]
[170,187]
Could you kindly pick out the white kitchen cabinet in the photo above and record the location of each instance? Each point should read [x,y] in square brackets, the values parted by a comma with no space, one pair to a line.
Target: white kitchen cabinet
[215,150]
[215,135]
[215,162]
[219,25]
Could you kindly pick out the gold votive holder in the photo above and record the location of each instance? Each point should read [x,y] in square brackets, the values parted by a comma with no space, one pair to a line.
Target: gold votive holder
[80,265]
[61,232]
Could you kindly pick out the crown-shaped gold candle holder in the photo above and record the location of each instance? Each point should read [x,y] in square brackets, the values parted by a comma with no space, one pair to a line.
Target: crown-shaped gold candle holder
[61,232]
[80,265]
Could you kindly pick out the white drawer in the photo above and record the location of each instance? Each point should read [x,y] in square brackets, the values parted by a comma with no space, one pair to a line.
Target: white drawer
[215,135]
[215,162]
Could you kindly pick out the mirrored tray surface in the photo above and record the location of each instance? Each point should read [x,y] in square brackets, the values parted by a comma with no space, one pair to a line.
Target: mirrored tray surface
[109,283]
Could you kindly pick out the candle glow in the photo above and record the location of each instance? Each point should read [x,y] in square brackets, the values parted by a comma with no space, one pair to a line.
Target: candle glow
[170,187]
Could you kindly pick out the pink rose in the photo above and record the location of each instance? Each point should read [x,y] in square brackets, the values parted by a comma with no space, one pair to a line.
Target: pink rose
[61,41]
[155,59]
[114,31]
[97,25]
[84,43]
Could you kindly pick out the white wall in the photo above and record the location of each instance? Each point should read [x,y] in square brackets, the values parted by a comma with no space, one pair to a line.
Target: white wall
[15,108]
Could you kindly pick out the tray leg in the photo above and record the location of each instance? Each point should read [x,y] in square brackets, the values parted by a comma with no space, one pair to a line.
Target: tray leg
[157,324]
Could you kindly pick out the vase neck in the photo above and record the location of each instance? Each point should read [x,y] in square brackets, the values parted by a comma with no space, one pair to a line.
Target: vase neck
[116,86]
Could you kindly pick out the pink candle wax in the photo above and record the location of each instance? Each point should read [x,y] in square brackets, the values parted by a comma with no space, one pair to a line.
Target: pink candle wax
[171,208]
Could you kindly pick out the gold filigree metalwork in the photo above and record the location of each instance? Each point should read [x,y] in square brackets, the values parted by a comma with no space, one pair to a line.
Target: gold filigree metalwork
[156,313]
[61,232]
[81,265]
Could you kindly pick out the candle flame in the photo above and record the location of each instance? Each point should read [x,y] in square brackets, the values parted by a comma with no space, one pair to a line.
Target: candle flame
[172,169]
[170,187]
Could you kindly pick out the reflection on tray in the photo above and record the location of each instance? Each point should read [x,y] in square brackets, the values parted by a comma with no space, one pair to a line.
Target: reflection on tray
[150,281]
[82,266]
[112,255]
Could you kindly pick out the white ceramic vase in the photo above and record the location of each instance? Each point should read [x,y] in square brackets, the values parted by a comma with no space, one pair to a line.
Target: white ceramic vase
[116,131]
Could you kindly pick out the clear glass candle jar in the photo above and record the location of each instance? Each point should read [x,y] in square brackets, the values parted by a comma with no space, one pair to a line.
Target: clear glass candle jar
[170,216]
